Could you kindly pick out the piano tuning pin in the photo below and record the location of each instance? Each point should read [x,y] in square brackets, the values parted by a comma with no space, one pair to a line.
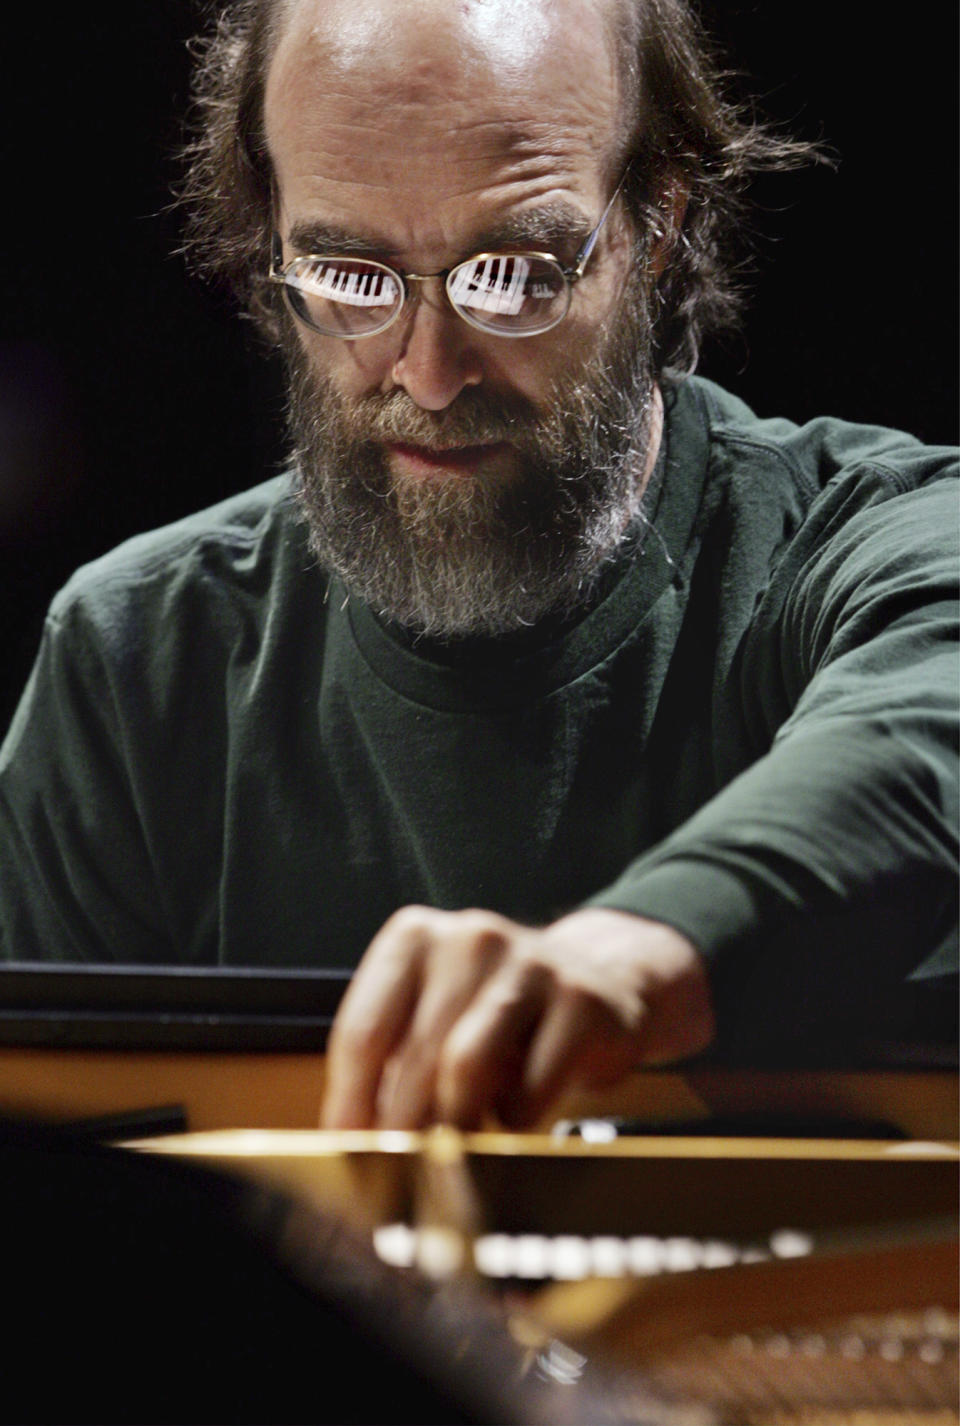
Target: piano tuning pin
[493,1254]
[791,1243]
[754,1253]
[682,1255]
[645,1256]
[440,1253]
[571,1258]
[939,1323]
[609,1257]
[717,1254]
[532,1256]
[395,1244]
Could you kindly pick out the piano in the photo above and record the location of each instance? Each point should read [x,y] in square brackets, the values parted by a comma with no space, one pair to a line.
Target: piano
[770,1243]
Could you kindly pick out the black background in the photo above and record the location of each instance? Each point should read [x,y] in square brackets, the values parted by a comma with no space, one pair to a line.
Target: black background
[130,396]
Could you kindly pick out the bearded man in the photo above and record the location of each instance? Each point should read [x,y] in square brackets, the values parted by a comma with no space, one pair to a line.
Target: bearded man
[597,721]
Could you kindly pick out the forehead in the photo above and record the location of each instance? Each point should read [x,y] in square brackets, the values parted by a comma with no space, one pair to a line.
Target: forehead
[417,118]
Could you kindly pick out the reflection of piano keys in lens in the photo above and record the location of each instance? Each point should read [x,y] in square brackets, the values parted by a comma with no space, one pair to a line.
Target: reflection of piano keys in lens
[493,284]
[363,287]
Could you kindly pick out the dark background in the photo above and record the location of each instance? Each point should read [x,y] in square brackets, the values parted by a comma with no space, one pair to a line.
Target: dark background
[130,396]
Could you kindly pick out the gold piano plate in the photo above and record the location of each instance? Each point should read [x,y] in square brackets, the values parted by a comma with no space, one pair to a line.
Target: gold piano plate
[837,1303]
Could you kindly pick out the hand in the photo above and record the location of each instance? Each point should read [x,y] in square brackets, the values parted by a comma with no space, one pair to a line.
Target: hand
[454,1015]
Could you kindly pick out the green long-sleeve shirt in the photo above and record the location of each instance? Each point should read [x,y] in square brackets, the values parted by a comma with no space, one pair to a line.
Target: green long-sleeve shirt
[220,758]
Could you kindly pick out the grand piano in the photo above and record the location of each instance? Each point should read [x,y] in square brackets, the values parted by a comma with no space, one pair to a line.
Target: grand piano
[772,1242]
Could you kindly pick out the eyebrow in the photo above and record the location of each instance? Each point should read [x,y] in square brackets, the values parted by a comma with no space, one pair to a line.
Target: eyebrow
[553,225]
[313,237]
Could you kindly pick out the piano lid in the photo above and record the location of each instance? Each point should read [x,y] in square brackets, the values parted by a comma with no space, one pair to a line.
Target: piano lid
[167,1007]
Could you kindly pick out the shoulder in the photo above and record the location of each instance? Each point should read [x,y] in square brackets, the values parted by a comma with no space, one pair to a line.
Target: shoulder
[782,496]
[849,529]
[826,454]
[219,537]
[229,556]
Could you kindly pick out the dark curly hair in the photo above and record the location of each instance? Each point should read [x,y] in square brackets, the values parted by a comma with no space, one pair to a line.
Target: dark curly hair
[678,128]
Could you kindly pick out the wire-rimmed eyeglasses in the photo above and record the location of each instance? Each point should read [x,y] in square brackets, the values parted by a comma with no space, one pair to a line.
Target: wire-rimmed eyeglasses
[511,294]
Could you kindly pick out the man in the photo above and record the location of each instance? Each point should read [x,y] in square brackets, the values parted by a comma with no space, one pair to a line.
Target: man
[598,720]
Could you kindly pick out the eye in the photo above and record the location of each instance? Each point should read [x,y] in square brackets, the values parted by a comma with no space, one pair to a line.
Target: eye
[343,297]
[350,281]
[491,284]
[509,292]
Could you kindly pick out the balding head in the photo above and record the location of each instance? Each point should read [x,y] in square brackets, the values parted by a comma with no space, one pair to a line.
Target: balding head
[365,32]
[403,35]
[397,81]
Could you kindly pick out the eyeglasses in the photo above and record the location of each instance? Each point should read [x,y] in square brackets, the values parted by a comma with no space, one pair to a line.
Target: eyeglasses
[511,294]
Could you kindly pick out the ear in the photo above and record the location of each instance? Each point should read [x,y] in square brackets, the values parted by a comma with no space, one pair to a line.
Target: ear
[674,195]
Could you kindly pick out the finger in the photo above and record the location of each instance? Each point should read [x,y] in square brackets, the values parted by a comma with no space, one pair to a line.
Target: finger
[466,950]
[371,1020]
[577,1040]
[481,1065]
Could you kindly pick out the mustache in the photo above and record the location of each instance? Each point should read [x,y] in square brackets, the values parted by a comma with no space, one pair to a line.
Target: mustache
[475,418]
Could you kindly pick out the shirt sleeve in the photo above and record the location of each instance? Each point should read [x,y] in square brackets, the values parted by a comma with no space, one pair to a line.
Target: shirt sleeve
[76,876]
[820,884]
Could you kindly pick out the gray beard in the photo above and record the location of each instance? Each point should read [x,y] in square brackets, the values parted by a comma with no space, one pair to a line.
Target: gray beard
[464,555]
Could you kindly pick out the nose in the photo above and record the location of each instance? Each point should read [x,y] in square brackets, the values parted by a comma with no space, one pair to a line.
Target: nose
[438,356]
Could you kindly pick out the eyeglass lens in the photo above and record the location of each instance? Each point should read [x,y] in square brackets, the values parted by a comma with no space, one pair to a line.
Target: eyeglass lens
[517,293]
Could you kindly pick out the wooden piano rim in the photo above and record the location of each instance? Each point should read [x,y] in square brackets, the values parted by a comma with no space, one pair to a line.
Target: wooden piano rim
[284,1090]
[321,1143]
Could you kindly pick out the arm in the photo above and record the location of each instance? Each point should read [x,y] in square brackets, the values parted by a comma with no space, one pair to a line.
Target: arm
[821,883]
[811,885]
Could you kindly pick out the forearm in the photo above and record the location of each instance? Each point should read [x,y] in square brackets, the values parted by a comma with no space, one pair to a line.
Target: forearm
[814,884]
